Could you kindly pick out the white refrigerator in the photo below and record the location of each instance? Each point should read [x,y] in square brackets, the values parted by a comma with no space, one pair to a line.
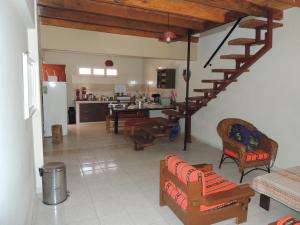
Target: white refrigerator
[55,106]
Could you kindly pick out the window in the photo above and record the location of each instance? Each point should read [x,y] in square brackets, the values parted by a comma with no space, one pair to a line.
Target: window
[132,82]
[85,71]
[98,72]
[111,72]
[30,83]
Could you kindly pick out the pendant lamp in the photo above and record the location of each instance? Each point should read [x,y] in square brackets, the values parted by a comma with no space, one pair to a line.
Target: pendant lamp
[168,36]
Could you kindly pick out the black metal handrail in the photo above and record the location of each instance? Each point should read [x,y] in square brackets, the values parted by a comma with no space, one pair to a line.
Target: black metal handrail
[222,43]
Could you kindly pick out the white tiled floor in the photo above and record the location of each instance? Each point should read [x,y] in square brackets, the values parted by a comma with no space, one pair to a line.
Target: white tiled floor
[111,184]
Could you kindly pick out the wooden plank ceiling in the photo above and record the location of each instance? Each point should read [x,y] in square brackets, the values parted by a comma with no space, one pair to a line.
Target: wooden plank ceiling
[150,18]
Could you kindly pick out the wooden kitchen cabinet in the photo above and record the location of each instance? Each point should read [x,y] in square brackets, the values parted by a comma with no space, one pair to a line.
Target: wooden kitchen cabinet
[166,78]
[93,112]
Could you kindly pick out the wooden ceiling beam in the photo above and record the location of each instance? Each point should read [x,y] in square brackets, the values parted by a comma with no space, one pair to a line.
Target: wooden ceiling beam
[97,19]
[105,29]
[236,5]
[295,3]
[177,7]
[126,12]
[272,4]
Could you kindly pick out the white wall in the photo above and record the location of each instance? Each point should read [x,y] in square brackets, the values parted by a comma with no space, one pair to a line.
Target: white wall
[33,49]
[16,140]
[129,68]
[66,39]
[268,96]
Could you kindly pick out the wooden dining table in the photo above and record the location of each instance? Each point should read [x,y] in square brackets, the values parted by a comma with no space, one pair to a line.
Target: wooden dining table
[116,111]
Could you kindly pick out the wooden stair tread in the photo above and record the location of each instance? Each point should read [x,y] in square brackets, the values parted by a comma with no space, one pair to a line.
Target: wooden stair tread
[154,131]
[227,70]
[255,23]
[245,41]
[207,90]
[172,113]
[163,122]
[192,105]
[197,98]
[234,56]
[221,81]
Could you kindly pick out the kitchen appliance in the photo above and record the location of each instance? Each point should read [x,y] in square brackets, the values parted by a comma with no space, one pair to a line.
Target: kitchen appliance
[83,93]
[123,99]
[77,94]
[156,98]
[55,106]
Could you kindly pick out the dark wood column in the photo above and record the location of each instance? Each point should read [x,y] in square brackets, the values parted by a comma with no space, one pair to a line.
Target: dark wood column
[187,124]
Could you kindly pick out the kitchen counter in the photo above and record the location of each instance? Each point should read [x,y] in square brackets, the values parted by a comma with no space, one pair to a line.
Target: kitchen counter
[84,102]
[91,111]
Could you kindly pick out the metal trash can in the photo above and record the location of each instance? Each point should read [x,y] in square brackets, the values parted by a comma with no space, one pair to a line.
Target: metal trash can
[54,183]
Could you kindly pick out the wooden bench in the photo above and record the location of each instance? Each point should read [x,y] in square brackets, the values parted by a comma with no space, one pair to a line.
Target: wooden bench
[185,189]
[122,119]
[156,127]
[134,123]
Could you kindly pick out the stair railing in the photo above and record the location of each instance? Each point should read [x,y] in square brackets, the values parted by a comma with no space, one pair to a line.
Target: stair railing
[222,43]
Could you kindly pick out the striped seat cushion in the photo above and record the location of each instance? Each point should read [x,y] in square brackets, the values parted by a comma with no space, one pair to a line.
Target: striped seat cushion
[250,156]
[288,220]
[214,183]
[182,170]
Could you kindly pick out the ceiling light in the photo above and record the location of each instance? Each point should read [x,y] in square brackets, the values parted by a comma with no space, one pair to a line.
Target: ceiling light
[168,36]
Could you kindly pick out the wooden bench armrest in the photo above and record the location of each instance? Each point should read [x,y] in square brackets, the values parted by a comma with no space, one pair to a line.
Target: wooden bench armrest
[242,191]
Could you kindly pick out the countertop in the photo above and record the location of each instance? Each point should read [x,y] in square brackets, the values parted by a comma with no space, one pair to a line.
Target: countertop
[83,102]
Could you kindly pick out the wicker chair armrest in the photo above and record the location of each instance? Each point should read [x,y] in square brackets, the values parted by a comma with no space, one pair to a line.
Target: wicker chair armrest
[237,193]
[270,146]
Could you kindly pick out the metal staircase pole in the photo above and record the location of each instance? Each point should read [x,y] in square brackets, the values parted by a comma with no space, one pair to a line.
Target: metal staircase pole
[188,73]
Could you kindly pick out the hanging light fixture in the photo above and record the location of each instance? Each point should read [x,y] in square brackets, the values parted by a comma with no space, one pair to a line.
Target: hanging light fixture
[168,36]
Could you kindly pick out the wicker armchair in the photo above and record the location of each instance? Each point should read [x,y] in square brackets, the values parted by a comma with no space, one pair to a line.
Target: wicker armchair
[263,157]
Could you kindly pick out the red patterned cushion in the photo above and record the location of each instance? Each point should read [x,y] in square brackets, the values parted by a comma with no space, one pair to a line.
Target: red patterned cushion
[250,156]
[176,193]
[288,220]
[182,170]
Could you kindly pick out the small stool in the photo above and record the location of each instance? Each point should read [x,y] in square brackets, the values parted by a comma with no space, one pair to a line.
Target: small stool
[57,133]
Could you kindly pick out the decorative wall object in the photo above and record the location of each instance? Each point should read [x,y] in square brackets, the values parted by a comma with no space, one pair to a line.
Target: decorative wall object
[109,63]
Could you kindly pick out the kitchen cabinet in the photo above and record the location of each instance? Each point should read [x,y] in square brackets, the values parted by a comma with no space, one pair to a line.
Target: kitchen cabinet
[166,78]
[91,111]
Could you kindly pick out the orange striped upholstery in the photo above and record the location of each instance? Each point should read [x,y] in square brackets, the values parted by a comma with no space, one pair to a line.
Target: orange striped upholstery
[182,170]
[288,220]
[211,183]
[214,183]
[176,193]
[250,156]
